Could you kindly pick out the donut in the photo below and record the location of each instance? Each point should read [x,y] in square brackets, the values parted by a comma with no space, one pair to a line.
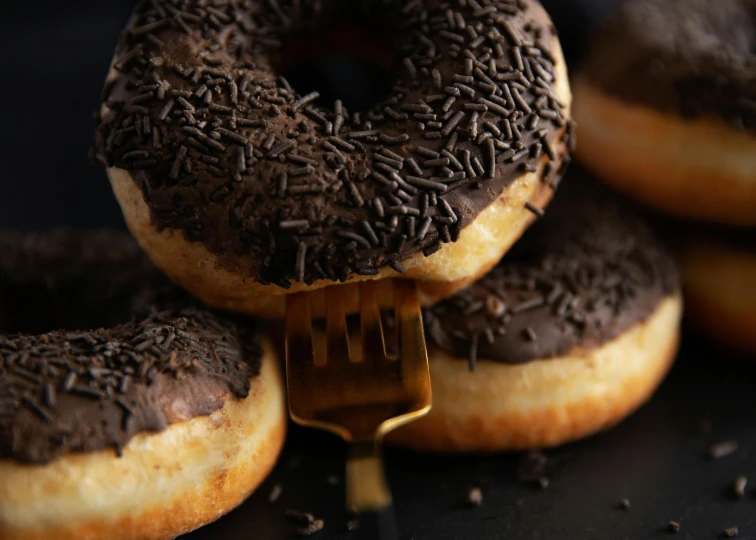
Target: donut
[243,190]
[568,334]
[160,420]
[719,269]
[666,104]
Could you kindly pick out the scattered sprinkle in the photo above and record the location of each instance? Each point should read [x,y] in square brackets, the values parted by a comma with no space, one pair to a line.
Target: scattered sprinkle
[275,493]
[731,532]
[722,449]
[474,497]
[739,486]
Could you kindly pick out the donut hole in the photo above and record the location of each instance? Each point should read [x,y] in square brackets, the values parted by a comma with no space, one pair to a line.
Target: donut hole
[347,63]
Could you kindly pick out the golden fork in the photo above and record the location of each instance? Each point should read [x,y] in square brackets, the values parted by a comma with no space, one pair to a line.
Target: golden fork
[359,381]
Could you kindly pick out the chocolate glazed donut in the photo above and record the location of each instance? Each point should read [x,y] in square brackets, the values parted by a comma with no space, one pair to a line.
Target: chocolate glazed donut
[572,331]
[666,103]
[718,265]
[158,423]
[243,190]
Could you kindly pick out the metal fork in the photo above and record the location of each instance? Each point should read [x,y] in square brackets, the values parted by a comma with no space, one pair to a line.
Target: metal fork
[359,381]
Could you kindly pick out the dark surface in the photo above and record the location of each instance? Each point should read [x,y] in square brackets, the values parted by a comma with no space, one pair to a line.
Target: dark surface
[55,56]
[658,459]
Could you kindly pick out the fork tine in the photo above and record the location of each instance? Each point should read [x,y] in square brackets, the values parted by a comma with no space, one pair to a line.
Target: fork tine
[319,331]
[299,328]
[360,402]
[336,326]
[299,353]
[373,347]
[414,357]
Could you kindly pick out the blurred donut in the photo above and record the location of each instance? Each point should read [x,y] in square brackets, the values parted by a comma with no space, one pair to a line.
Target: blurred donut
[719,278]
[666,104]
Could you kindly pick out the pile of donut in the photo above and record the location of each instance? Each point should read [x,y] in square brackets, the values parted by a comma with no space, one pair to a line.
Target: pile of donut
[666,103]
[140,388]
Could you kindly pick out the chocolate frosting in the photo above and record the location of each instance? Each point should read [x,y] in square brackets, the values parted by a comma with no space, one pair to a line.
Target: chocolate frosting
[160,359]
[289,189]
[691,57]
[581,276]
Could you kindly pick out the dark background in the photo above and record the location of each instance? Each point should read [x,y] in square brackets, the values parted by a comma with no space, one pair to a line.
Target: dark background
[54,56]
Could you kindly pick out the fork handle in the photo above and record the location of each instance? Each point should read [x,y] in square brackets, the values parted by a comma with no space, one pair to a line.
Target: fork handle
[368,494]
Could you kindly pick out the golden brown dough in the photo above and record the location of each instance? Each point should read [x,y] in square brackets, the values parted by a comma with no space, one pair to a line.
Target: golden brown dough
[196,269]
[545,402]
[164,485]
[699,168]
[720,291]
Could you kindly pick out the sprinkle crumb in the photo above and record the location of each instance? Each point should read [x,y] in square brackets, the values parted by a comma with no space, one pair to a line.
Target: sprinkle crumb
[722,449]
[494,306]
[532,467]
[731,532]
[673,526]
[275,493]
[625,504]
[475,497]
[300,517]
[739,486]
[312,528]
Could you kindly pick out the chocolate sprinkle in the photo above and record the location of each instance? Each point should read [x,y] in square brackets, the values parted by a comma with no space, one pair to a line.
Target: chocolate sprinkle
[534,209]
[275,493]
[474,497]
[85,390]
[311,528]
[731,532]
[532,467]
[722,449]
[739,486]
[298,516]
[576,279]
[209,99]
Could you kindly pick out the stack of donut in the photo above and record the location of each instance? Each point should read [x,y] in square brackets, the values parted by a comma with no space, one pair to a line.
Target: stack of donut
[242,190]
[666,103]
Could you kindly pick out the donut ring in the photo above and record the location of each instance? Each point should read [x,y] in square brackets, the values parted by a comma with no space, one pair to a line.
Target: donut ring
[720,289]
[145,430]
[666,104]
[244,191]
[571,332]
